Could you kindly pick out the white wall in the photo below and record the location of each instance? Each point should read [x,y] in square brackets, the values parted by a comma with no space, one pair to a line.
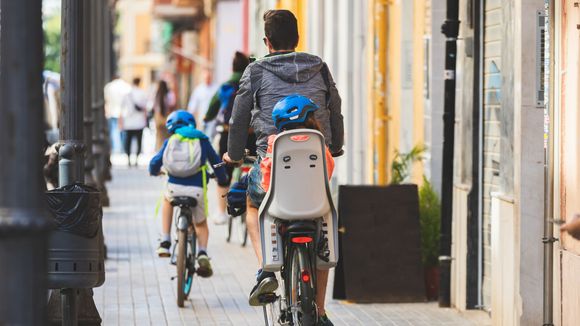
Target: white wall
[339,36]
[228,38]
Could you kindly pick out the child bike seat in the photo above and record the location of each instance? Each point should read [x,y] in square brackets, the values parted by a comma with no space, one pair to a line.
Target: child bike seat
[298,185]
[184,202]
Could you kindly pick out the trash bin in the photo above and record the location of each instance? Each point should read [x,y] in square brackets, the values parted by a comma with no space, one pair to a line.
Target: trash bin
[75,252]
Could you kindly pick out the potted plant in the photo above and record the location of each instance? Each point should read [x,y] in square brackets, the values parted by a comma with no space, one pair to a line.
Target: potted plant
[430,219]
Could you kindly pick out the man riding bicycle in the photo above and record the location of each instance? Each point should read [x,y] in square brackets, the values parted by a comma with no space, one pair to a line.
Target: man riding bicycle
[281,73]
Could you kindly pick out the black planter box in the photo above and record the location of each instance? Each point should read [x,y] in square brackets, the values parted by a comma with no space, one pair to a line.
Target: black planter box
[380,246]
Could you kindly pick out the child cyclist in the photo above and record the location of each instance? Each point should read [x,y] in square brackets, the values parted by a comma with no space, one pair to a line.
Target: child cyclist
[292,112]
[184,156]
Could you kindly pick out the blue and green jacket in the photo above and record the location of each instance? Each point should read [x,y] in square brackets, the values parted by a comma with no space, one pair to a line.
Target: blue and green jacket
[207,154]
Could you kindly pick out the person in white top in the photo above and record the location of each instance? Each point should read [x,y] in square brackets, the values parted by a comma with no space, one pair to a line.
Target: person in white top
[199,102]
[133,118]
[115,92]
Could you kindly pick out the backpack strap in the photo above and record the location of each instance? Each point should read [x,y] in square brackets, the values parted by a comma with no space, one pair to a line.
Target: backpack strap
[204,185]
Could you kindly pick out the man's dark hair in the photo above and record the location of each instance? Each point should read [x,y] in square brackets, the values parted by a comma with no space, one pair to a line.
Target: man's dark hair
[240,63]
[136,81]
[281,28]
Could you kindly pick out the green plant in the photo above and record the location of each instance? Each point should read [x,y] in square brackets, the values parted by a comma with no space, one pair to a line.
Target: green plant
[402,163]
[430,219]
[52,43]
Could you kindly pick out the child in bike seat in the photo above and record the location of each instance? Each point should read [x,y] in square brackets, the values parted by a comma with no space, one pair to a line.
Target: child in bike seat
[184,156]
[291,112]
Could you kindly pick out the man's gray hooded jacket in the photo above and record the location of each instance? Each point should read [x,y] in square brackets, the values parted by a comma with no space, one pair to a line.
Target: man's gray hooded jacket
[269,80]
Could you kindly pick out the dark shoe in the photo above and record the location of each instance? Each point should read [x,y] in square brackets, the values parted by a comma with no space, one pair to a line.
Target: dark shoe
[163,250]
[266,284]
[204,269]
[324,321]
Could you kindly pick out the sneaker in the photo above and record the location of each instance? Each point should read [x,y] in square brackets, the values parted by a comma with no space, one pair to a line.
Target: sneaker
[266,283]
[204,269]
[324,321]
[163,250]
[221,218]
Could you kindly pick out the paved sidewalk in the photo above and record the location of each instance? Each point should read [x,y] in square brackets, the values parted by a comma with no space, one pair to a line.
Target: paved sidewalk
[139,290]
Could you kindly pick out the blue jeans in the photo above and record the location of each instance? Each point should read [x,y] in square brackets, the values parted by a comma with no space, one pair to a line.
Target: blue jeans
[255,191]
[115,135]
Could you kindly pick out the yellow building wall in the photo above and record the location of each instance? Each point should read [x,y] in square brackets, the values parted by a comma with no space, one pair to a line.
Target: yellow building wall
[299,9]
[385,76]
[420,13]
[394,63]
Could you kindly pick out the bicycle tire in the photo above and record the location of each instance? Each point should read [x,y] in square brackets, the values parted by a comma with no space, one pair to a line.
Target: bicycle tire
[181,265]
[301,294]
[230,225]
[245,227]
[191,266]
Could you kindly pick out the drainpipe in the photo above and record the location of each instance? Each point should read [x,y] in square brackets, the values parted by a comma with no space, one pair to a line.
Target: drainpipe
[23,221]
[451,29]
[549,238]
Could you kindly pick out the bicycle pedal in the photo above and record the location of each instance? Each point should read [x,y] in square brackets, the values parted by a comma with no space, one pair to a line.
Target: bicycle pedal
[267,298]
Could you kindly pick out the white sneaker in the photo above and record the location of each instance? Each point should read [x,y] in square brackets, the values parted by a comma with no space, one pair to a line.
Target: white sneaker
[220,219]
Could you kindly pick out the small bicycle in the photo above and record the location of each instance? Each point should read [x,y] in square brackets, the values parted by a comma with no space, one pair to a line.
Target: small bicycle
[185,247]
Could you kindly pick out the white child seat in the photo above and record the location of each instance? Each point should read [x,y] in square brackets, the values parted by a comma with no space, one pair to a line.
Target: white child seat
[299,190]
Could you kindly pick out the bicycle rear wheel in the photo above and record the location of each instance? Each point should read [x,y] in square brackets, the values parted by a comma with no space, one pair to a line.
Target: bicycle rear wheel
[190,267]
[181,265]
[301,292]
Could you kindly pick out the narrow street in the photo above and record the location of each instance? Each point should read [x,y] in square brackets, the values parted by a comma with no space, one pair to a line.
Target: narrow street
[139,289]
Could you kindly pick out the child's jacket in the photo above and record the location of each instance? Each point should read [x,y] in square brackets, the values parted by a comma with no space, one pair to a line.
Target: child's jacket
[207,154]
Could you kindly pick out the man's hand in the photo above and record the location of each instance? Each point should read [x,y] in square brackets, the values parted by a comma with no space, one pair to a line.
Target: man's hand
[572,227]
[226,158]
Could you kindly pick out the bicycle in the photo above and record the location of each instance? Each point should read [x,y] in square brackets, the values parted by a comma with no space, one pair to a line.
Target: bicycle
[185,246]
[298,232]
[237,211]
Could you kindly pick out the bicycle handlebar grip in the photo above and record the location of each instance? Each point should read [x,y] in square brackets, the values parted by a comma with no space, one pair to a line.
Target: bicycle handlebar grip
[219,165]
[338,154]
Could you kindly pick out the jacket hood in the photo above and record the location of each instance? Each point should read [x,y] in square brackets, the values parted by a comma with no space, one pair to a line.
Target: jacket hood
[295,67]
[190,132]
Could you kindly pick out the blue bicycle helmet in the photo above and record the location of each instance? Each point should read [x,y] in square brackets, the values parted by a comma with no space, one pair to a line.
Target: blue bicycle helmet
[178,119]
[292,109]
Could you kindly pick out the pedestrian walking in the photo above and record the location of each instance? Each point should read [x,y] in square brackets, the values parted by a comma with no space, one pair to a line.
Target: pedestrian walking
[163,104]
[115,92]
[133,118]
[199,103]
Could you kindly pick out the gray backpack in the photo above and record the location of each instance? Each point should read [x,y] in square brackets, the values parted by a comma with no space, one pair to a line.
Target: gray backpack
[182,156]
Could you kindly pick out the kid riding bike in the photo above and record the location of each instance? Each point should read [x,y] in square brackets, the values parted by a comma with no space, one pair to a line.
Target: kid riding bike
[184,155]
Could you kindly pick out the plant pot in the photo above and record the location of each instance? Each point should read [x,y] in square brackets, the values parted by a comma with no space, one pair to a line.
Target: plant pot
[432,283]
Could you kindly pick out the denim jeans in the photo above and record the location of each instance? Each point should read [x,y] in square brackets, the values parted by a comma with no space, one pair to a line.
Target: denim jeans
[115,135]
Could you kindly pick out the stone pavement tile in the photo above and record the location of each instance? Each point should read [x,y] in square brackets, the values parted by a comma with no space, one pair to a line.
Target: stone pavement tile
[139,289]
